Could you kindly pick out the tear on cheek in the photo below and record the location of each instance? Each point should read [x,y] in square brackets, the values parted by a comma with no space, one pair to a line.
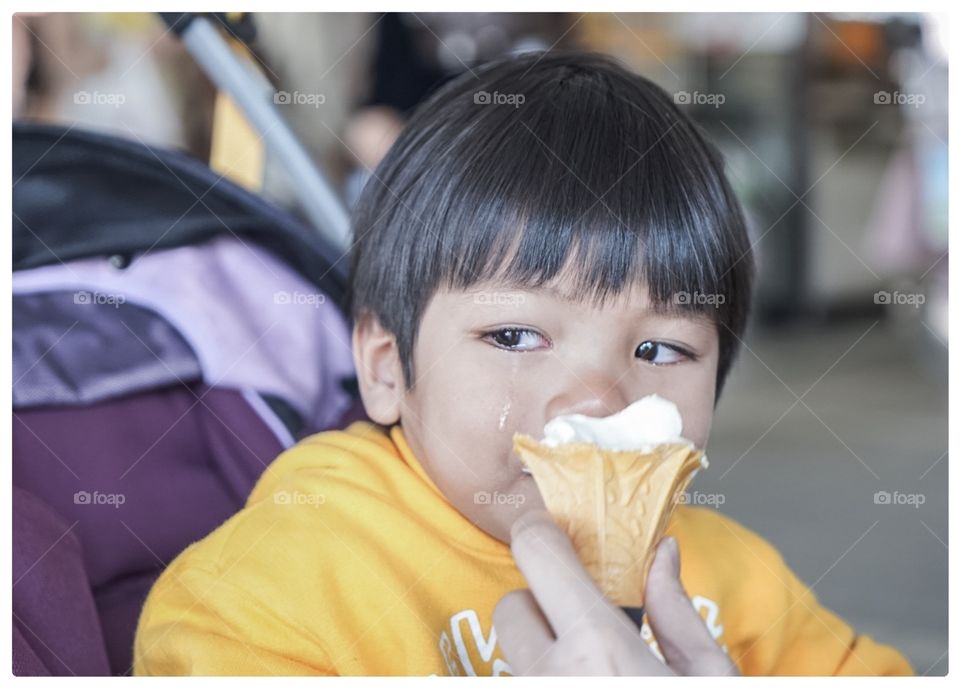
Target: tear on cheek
[504,414]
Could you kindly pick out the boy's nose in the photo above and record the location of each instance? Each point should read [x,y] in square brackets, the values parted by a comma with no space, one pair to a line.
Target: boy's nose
[590,396]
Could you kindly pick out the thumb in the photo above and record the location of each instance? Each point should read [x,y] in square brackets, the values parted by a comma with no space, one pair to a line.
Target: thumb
[681,634]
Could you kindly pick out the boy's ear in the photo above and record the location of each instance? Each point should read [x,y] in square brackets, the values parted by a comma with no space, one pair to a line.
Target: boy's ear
[379,371]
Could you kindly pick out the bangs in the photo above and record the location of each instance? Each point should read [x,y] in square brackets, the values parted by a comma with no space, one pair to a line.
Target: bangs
[630,198]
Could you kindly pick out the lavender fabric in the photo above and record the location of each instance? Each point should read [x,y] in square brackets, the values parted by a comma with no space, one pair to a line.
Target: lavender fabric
[56,630]
[139,478]
[26,662]
[59,343]
[252,321]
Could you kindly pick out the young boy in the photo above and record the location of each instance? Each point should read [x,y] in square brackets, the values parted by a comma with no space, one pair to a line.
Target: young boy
[549,235]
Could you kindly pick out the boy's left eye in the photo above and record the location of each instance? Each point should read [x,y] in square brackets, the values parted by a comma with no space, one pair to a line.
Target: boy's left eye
[660,353]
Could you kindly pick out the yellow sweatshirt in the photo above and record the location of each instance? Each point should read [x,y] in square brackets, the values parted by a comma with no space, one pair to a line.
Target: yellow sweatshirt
[348,560]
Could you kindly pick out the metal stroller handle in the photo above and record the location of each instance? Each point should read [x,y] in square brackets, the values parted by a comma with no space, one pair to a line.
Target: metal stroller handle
[255,97]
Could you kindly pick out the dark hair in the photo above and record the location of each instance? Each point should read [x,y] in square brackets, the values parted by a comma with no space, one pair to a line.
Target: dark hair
[511,168]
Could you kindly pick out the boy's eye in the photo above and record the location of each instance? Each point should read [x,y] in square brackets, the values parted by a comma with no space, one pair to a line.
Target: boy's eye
[516,339]
[659,353]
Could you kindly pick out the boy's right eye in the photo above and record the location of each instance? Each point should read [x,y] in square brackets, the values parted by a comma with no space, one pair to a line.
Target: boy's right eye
[516,339]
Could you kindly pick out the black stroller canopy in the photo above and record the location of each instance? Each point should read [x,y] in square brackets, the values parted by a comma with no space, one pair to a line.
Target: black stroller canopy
[79,194]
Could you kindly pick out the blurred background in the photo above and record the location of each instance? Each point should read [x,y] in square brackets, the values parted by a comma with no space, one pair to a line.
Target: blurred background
[831,437]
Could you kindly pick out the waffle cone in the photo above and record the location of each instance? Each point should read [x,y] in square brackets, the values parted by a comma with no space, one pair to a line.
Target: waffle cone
[614,505]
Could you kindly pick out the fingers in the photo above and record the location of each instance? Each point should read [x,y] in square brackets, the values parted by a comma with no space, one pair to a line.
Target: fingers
[681,634]
[522,631]
[562,587]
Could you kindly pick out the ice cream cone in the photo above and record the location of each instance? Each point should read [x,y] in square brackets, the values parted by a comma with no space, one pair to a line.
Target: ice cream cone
[613,504]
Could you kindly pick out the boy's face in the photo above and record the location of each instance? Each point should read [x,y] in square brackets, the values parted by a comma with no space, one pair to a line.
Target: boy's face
[493,361]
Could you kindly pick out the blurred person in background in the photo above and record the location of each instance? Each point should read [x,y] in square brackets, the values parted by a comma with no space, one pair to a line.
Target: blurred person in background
[417,53]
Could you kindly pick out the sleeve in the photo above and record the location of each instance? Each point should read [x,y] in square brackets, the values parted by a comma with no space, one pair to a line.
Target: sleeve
[195,623]
[780,628]
[817,641]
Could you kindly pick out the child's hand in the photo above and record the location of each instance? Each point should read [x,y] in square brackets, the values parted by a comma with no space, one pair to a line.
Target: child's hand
[563,625]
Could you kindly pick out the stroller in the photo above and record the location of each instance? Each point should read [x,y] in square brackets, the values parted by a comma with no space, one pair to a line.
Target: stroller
[172,334]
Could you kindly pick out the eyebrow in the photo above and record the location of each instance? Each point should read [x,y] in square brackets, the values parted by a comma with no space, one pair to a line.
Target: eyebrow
[545,289]
[548,290]
[695,318]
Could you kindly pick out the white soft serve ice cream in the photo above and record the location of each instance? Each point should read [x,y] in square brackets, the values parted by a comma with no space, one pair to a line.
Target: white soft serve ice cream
[645,423]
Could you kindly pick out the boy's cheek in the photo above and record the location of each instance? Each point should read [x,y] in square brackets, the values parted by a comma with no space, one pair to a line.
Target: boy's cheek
[464,440]
[491,504]
[466,428]
[471,400]
[694,397]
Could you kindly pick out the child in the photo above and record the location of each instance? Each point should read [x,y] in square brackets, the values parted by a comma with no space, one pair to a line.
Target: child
[549,235]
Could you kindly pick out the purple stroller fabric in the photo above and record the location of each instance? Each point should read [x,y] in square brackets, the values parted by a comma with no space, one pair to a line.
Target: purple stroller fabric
[138,478]
[56,630]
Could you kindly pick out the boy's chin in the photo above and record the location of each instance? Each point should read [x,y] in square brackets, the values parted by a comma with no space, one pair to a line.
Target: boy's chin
[497,522]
